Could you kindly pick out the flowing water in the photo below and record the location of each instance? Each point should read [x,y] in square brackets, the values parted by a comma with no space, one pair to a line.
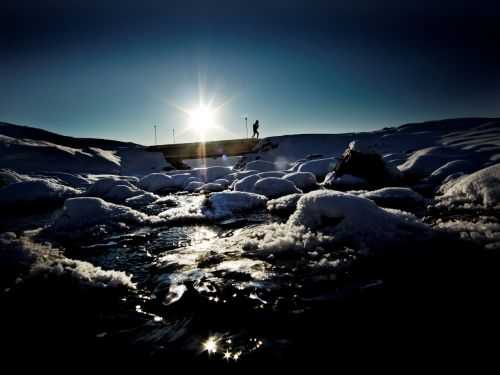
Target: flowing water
[201,304]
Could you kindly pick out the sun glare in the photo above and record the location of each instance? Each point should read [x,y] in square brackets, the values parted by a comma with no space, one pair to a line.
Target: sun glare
[202,119]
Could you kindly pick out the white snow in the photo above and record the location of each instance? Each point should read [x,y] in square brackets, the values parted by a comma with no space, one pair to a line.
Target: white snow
[155,182]
[452,167]
[85,211]
[480,188]
[355,219]
[305,181]
[246,183]
[285,204]
[395,197]
[34,191]
[273,187]
[318,167]
[39,262]
[210,174]
[225,204]
[104,185]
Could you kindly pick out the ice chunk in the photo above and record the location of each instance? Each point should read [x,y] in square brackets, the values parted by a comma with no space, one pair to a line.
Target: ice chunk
[246,184]
[395,197]
[104,185]
[34,191]
[260,165]
[156,182]
[344,182]
[210,187]
[283,205]
[210,174]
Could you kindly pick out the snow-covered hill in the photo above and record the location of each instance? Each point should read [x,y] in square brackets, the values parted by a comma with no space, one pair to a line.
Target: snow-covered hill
[27,149]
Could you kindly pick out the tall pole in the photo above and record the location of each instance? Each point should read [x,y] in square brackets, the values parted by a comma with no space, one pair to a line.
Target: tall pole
[173,135]
[246,124]
[156,140]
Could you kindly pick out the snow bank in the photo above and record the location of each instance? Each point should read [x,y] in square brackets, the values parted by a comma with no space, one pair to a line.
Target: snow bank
[273,187]
[260,165]
[8,176]
[34,191]
[423,162]
[283,205]
[225,204]
[355,219]
[318,167]
[481,188]
[395,197]
[155,182]
[38,263]
[452,167]
[86,211]
[119,193]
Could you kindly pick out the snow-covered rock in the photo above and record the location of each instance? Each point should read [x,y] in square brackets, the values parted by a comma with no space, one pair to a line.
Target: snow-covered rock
[141,200]
[305,181]
[395,197]
[180,180]
[318,167]
[73,180]
[452,167]
[103,186]
[223,182]
[246,183]
[225,204]
[260,165]
[210,174]
[283,205]
[85,211]
[155,182]
[344,182]
[210,188]
[355,219]
[193,186]
[27,193]
[273,187]
[271,174]
[8,176]
[120,193]
[481,188]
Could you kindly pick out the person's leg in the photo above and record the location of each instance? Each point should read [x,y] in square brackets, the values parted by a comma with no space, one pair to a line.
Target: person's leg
[257,134]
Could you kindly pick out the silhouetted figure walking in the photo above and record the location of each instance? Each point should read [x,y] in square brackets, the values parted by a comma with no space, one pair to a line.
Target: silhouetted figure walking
[256,129]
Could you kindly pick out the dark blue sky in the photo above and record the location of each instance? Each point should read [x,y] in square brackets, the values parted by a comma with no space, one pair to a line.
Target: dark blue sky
[111,68]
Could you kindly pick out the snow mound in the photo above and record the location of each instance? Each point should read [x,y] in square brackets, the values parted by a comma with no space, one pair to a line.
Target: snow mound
[355,219]
[452,167]
[181,180]
[193,186]
[425,161]
[273,187]
[104,185]
[223,182]
[260,165]
[210,188]
[35,262]
[225,204]
[210,174]
[155,182]
[119,193]
[318,167]
[246,184]
[73,180]
[283,205]
[141,200]
[85,211]
[305,181]
[481,188]
[29,192]
[395,197]
[8,176]
[271,174]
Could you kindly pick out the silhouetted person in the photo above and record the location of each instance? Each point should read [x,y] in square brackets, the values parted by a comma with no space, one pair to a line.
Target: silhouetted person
[256,129]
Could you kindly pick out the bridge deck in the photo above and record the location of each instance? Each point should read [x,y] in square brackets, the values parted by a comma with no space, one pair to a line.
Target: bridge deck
[175,153]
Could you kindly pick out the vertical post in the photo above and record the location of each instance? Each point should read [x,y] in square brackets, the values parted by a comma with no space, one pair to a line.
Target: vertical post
[173,135]
[156,140]
[246,124]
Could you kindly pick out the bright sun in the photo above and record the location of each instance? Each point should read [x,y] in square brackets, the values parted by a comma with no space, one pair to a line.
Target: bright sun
[202,118]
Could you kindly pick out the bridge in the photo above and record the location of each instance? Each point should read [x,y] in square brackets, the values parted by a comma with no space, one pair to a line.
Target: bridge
[176,153]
